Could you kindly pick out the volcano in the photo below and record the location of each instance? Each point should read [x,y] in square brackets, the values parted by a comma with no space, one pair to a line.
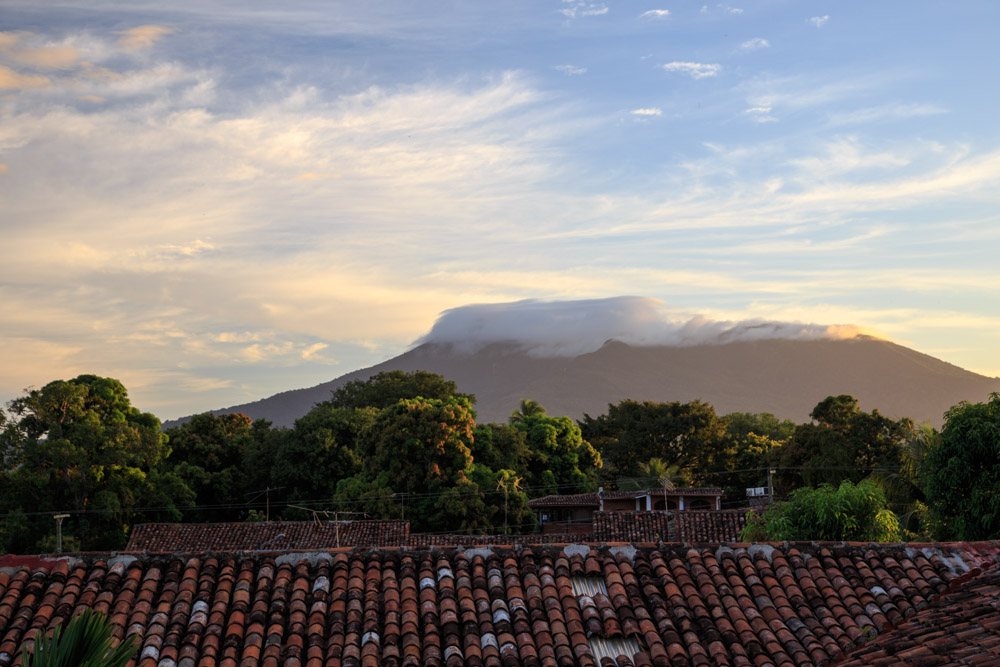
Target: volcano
[786,377]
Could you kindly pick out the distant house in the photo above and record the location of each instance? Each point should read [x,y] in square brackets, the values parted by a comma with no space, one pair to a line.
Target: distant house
[575,513]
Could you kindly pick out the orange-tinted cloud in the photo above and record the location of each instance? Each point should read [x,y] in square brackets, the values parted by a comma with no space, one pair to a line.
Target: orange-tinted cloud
[142,37]
[11,80]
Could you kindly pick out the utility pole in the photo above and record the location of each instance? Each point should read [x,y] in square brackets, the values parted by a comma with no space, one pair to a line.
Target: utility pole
[267,503]
[59,519]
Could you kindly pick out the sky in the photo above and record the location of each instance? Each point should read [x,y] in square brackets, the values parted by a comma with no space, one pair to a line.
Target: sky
[214,201]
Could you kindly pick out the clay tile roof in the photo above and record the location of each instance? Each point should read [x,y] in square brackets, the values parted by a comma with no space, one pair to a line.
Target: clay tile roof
[679,491]
[270,536]
[504,606]
[632,527]
[710,526]
[959,628]
[577,499]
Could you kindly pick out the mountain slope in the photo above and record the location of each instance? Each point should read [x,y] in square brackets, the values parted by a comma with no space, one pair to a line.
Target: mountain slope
[784,377]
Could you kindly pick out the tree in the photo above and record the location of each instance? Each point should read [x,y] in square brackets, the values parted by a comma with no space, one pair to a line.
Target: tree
[753,443]
[389,387]
[310,459]
[527,408]
[685,434]
[843,442]
[501,446]
[79,446]
[560,460]
[656,473]
[421,448]
[961,472]
[208,454]
[850,512]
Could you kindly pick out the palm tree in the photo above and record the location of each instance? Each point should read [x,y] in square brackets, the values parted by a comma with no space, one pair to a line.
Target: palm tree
[903,488]
[656,472]
[527,408]
[86,641]
[507,481]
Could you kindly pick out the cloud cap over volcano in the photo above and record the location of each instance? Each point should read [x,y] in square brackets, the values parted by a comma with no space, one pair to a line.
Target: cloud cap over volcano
[572,328]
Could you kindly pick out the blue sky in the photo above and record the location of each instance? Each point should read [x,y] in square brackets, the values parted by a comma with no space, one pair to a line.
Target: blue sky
[216,201]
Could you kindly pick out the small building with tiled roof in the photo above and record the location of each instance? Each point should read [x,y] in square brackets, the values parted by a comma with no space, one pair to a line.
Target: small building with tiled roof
[624,605]
[574,513]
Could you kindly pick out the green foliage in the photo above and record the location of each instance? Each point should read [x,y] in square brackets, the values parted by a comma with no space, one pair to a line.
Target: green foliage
[420,447]
[501,446]
[322,449]
[560,460]
[86,640]
[961,472]
[843,442]
[207,454]
[527,408]
[849,512]
[389,387]
[685,434]
[655,473]
[753,443]
[79,446]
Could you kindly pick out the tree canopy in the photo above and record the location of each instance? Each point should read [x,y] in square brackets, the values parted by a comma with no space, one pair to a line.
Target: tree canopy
[961,472]
[387,388]
[79,447]
[632,432]
[843,442]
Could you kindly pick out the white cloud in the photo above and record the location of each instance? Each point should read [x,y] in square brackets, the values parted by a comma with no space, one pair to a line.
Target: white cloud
[577,8]
[886,112]
[571,70]
[761,114]
[647,111]
[731,10]
[818,21]
[655,14]
[754,44]
[694,70]
[571,328]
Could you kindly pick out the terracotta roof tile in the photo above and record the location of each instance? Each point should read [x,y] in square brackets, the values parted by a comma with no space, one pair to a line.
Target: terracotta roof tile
[271,536]
[794,604]
[696,526]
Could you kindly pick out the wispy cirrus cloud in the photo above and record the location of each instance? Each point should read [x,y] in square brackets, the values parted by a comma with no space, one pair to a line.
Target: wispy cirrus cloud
[818,21]
[694,70]
[579,8]
[654,14]
[11,80]
[571,70]
[142,37]
[760,114]
[885,112]
[755,44]
[647,111]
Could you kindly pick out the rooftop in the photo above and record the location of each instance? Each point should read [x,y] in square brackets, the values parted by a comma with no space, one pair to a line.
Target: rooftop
[502,606]
[271,535]
[588,499]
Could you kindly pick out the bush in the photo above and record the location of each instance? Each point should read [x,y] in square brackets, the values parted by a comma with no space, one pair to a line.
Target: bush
[86,641]
[850,512]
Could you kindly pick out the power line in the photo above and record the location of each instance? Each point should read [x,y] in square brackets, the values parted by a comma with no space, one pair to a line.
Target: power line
[362,500]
